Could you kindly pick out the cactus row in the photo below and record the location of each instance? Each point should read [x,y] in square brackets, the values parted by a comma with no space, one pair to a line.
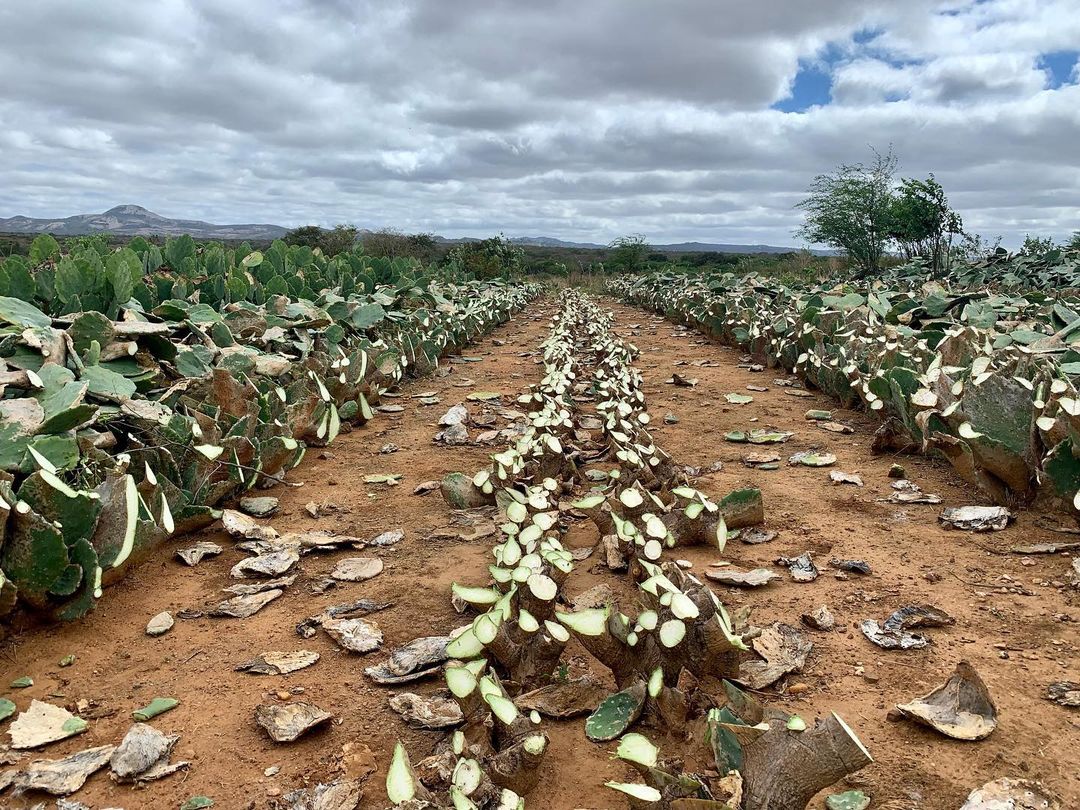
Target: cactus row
[138,395]
[515,641]
[986,381]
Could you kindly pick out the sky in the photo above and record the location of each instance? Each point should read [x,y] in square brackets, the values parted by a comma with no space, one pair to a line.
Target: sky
[682,120]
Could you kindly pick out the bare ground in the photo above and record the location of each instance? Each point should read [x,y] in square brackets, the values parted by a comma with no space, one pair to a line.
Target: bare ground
[1015,616]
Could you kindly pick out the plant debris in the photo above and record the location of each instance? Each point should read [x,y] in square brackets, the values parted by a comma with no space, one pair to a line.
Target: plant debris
[961,708]
[288,722]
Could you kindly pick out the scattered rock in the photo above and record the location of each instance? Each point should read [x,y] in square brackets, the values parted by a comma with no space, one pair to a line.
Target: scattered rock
[457,415]
[961,708]
[342,795]
[851,566]
[357,569]
[285,723]
[259,507]
[562,699]
[893,635]
[838,477]
[976,518]
[193,555]
[279,663]
[1064,693]
[60,777]
[241,607]
[143,755]
[1011,794]
[356,635]
[237,524]
[272,564]
[782,648]
[160,624]
[802,568]
[741,579]
[430,712]
[755,535]
[819,619]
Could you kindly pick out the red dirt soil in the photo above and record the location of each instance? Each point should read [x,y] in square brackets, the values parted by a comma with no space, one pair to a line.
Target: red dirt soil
[1018,642]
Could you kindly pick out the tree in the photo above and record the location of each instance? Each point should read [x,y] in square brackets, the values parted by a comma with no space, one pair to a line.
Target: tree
[393,244]
[629,253]
[921,222]
[1037,246]
[486,258]
[331,242]
[1074,241]
[850,210]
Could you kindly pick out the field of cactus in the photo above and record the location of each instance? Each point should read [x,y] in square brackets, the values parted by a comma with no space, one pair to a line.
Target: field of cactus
[983,378]
[143,386]
[699,543]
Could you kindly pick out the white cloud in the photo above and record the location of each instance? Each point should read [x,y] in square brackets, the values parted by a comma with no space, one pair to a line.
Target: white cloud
[579,120]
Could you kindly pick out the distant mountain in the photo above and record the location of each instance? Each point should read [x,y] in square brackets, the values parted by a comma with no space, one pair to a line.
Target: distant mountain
[134,220]
[678,247]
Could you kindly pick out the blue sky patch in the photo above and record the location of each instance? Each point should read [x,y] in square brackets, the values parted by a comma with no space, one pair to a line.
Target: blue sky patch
[1061,66]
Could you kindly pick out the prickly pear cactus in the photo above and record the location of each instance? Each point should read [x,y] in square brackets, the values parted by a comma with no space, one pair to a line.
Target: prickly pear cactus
[615,714]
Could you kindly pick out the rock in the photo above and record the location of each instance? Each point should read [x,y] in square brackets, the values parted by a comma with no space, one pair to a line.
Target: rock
[1064,693]
[976,518]
[259,507]
[240,607]
[60,777]
[357,569]
[388,538]
[851,566]
[144,749]
[160,624]
[563,699]
[893,635]
[802,568]
[782,648]
[819,619]
[356,635]
[285,723]
[457,415]
[897,471]
[279,663]
[961,708]
[342,795]
[44,723]
[272,564]
[193,555]
[838,477]
[312,509]
[453,436]
[741,579]
[357,761]
[237,524]
[249,588]
[430,712]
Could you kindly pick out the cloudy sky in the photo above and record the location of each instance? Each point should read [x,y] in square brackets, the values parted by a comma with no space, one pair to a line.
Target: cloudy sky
[582,119]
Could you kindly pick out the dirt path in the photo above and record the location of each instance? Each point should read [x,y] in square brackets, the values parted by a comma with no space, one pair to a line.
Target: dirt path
[119,669]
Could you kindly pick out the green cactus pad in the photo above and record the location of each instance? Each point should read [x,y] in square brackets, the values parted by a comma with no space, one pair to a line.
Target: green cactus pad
[616,713]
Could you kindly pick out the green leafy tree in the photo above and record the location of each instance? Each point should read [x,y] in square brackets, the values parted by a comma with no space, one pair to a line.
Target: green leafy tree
[921,222]
[1037,246]
[1074,241]
[485,259]
[850,209]
[629,254]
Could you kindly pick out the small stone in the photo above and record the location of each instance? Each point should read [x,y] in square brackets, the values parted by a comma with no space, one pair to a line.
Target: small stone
[897,471]
[259,507]
[798,688]
[160,624]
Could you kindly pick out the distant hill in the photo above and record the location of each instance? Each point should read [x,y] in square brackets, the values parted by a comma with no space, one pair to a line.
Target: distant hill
[678,247]
[134,220]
